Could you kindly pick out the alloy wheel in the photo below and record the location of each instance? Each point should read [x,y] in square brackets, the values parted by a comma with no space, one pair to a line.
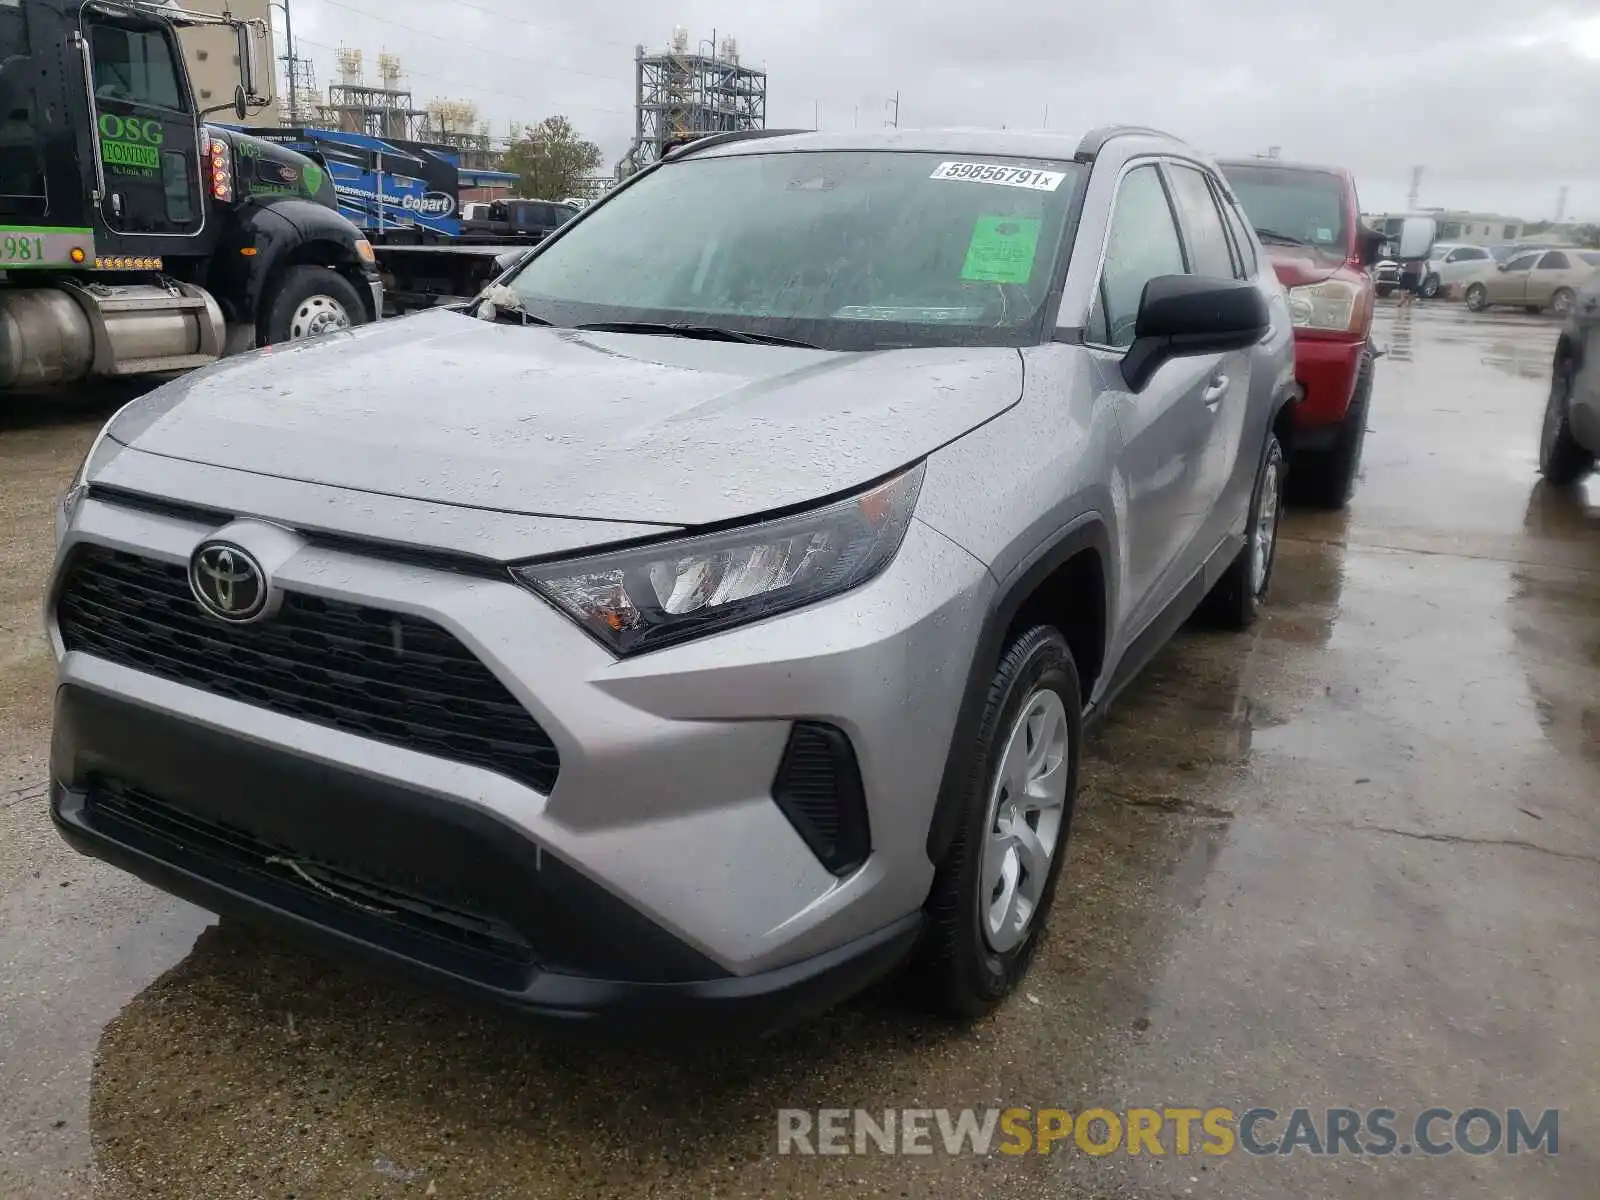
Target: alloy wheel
[1264,537]
[1027,804]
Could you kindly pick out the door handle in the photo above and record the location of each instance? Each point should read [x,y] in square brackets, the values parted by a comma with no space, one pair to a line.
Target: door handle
[1215,390]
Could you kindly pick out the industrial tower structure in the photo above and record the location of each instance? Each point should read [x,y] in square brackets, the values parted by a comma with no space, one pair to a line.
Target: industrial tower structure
[682,92]
[384,111]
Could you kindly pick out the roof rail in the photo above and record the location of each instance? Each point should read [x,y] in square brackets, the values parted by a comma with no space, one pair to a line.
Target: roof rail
[1095,140]
[730,135]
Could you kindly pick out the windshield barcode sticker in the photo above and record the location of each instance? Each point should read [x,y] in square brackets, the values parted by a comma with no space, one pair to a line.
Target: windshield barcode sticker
[1022,177]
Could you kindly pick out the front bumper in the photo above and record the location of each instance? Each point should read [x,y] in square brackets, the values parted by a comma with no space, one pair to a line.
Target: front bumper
[600,958]
[1327,369]
[658,870]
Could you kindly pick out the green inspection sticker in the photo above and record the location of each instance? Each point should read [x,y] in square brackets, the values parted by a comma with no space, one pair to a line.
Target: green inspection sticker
[1002,249]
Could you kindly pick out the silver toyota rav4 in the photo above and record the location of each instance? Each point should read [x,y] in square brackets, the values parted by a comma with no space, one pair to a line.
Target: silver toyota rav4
[704,621]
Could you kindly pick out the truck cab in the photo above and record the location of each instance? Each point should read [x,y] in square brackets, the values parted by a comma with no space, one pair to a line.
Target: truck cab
[134,237]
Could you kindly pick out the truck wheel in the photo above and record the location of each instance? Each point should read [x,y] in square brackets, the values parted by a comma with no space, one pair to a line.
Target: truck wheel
[1326,478]
[1477,297]
[1562,461]
[992,890]
[1236,600]
[311,301]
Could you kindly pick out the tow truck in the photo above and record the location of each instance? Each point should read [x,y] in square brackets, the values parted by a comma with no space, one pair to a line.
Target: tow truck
[135,238]
[404,195]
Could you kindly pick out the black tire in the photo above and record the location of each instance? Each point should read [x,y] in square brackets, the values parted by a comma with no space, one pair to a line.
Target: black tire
[1430,286]
[1236,600]
[1327,478]
[1562,461]
[1561,302]
[955,969]
[1385,290]
[1477,297]
[300,286]
[1533,310]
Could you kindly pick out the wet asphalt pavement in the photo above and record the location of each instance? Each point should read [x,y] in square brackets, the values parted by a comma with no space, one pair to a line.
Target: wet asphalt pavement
[1352,858]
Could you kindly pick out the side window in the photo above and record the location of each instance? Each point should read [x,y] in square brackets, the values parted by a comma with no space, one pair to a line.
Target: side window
[1241,235]
[1523,262]
[22,191]
[135,66]
[1555,261]
[1202,223]
[1475,255]
[1143,243]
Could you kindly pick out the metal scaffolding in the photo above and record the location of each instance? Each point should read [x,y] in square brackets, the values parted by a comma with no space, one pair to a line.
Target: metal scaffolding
[682,92]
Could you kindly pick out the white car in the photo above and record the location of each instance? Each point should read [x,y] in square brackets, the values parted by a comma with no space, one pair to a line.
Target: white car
[1452,263]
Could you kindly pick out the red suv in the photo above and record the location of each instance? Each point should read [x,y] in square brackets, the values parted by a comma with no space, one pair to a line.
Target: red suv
[1308,219]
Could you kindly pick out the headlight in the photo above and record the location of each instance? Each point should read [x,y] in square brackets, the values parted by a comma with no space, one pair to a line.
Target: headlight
[653,596]
[1330,304]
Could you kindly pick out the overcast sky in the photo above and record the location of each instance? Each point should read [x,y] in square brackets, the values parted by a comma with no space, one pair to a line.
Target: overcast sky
[1499,102]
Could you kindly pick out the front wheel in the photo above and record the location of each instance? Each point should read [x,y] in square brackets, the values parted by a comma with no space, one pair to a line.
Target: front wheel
[1430,287]
[310,301]
[1561,302]
[1562,461]
[1477,297]
[992,890]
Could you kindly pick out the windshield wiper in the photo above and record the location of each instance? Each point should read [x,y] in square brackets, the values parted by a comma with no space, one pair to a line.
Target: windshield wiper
[709,333]
[1272,235]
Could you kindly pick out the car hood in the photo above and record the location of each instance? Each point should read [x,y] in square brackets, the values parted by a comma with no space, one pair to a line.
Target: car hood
[624,427]
[1297,266]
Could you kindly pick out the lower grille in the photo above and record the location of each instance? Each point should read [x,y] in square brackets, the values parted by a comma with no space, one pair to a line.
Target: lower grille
[389,676]
[433,929]
[818,787]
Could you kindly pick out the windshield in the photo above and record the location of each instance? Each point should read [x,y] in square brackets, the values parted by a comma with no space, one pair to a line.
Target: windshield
[1308,205]
[843,250]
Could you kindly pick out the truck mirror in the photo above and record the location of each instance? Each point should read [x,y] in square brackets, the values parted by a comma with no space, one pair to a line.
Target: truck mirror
[1417,235]
[247,71]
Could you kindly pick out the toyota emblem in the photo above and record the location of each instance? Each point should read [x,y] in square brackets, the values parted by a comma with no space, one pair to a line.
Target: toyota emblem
[228,582]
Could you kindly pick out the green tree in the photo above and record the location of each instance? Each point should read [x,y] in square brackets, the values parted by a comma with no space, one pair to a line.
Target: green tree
[552,158]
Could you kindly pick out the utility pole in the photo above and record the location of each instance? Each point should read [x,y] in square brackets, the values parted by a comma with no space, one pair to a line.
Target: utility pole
[290,62]
[1046,124]
[1561,204]
[894,121]
[1416,188]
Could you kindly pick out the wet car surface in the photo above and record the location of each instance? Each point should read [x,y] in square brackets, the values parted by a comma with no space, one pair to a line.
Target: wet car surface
[1352,858]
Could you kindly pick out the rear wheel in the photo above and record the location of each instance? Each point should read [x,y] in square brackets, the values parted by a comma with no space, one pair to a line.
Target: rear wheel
[1562,460]
[310,301]
[1533,310]
[1236,600]
[1477,297]
[992,889]
[1326,478]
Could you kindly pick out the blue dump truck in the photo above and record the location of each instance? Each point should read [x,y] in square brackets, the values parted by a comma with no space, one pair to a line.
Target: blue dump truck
[405,196]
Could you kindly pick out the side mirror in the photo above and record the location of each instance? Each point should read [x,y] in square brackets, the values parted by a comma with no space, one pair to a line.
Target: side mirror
[1417,236]
[1369,245]
[510,259]
[1191,314]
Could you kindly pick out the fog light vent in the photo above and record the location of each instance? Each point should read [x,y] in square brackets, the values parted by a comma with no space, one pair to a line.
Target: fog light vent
[818,787]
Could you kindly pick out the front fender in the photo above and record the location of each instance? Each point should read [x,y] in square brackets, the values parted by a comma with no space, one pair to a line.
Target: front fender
[263,238]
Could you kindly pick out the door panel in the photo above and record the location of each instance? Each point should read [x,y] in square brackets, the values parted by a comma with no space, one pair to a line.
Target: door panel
[1511,285]
[147,131]
[1164,426]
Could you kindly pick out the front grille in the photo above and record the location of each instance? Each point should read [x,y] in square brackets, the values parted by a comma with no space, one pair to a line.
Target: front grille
[388,676]
[435,929]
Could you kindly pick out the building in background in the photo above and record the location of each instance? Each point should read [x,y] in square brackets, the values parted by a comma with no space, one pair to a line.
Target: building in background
[213,57]
[1456,225]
